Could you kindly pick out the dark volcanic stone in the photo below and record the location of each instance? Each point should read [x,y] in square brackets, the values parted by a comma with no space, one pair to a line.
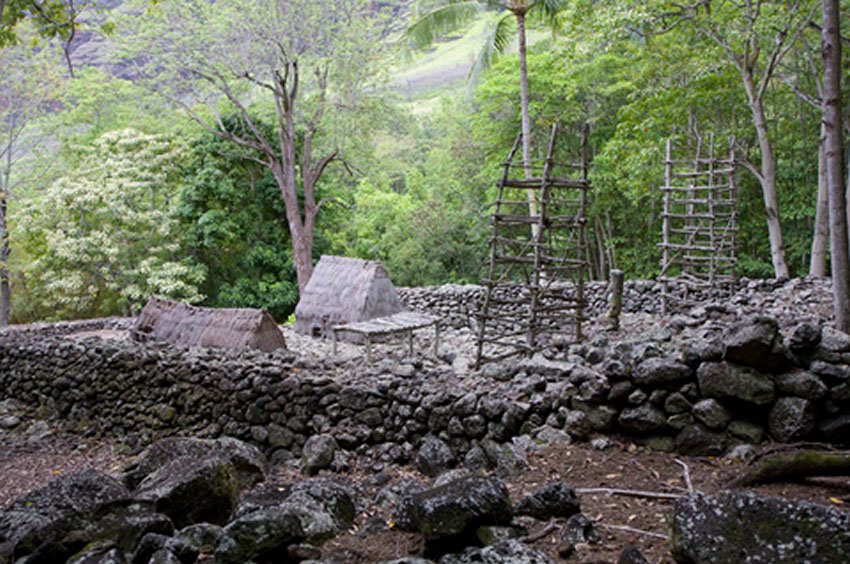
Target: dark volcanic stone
[757,343]
[455,509]
[191,491]
[318,454]
[744,527]
[553,500]
[724,380]
[642,419]
[804,338]
[262,535]
[249,462]
[502,552]
[661,372]
[791,418]
[434,457]
[801,384]
[693,440]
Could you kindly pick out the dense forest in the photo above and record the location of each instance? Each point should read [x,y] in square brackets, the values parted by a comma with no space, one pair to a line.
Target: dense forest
[212,151]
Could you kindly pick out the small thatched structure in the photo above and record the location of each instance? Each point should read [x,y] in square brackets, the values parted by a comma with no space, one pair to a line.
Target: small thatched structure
[344,290]
[227,328]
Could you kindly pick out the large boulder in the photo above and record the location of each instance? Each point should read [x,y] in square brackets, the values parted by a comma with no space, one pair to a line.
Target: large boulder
[249,462]
[324,508]
[508,550]
[318,454]
[262,535]
[725,380]
[791,419]
[191,491]
[553,500]
[744,527]
[642,419]
[659,371]
[455,509]
[58,520]
[757,343]
[434,457]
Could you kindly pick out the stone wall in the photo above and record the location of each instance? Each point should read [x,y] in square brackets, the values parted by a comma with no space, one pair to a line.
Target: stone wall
[700,385]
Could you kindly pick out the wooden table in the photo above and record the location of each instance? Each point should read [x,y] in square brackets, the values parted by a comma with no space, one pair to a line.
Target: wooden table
[404,322]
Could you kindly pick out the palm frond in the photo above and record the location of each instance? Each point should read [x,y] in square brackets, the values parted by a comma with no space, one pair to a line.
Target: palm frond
[497,41]
[547,12]
[441,20]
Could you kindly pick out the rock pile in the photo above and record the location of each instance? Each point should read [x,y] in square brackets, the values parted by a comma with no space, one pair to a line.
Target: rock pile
[705,381]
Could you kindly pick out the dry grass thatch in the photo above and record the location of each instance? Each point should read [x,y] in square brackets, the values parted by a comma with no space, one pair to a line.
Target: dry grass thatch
[344,290]
[228,328]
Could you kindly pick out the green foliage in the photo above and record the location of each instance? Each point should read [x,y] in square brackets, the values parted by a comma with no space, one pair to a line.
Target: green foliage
[104,237]
[233,221]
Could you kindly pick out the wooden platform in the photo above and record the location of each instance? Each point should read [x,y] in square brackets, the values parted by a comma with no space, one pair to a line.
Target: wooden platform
[399,323]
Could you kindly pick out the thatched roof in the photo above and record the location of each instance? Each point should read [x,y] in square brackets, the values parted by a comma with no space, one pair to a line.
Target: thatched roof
[227,328]
[344,290]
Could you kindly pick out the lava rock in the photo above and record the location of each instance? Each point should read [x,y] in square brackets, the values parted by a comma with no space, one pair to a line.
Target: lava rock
[694,440]
[318,454]
[553,500]
[509,550]
[804,338]
[791,418]
[247,460]
[632,555]
[661,372]
[262,535]
[191,491]
[580,529]
[642,419]
[725,380]
[757,343]
[834,341]
[801,384]
[455,509]
[434,457]
[744,527]
[836,429]
[41,519]
[712,414]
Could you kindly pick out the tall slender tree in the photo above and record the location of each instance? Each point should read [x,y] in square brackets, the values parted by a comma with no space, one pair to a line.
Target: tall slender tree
[834,144]
[449,15]
[754,37]
[306,61]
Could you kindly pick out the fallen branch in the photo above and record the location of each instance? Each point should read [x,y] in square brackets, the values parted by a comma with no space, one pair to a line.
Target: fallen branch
[633,530]
[686,473]
[795,466]
[795,447]
[630,493]
[534,537]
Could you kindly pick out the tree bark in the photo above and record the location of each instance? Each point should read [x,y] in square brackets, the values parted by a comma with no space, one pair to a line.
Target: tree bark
[795,466]
[817,265]
[767,179]
[524,114]
[5,285]
[840,259]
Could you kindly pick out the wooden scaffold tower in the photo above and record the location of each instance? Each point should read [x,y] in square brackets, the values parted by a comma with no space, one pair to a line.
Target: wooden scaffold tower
[700,224]
[535,283]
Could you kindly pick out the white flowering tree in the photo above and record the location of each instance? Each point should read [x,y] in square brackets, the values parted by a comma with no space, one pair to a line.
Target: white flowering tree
[104,237]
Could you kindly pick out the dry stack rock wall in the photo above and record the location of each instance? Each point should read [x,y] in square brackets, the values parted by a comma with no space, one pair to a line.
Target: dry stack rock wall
[706,380]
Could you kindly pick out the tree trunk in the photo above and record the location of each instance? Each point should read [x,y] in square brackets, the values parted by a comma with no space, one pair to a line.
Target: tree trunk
[817,266]
[831,47]
[5,286]
[795,466]
[526,118]
[767,180]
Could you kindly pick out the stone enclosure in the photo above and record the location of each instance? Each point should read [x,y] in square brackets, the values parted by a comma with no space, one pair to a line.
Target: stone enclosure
[712,377]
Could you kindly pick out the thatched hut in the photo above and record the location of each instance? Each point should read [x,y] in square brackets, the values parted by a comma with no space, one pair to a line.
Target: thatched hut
[344,290]
[228,328]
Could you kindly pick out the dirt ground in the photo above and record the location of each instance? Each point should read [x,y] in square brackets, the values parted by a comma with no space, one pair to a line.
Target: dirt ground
[29,464]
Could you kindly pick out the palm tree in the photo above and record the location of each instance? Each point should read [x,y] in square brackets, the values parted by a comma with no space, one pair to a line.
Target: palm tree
[448,15]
